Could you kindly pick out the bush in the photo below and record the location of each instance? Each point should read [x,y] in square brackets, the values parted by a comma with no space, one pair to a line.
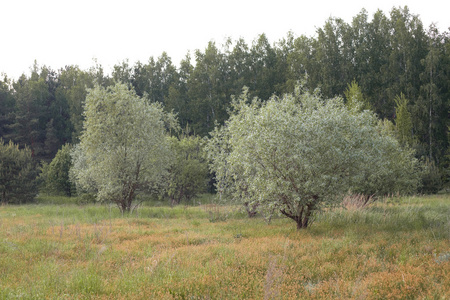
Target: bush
[188,175]
[55,176]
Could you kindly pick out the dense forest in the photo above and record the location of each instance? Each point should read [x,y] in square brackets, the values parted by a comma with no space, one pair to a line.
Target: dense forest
[388,56]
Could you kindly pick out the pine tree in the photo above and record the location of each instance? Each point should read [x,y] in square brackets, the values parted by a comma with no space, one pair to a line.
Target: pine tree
[355,97]
[17,174]
[403,121]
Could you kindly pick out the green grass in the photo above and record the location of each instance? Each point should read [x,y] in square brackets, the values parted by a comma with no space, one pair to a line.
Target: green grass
[412,213]
[396,248]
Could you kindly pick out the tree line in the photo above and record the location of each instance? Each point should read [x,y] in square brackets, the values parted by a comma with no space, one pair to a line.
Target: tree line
[399,67]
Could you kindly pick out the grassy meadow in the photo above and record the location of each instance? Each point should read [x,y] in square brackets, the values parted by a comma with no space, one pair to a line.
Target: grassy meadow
[395,248]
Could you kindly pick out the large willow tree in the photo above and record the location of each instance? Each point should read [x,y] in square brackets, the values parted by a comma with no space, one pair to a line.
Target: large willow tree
[123,146]
[298,154]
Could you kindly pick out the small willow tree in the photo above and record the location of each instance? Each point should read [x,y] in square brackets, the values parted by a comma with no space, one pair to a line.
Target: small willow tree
[298,154]
[123,146]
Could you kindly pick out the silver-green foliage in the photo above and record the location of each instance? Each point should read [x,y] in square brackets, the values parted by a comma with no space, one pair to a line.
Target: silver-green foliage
[300,153]
[123,146]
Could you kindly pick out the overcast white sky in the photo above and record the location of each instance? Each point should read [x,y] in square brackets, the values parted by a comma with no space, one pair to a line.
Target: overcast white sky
[65,32]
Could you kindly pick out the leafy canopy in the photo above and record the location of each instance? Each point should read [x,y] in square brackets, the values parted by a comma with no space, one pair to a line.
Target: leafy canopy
[123,146]
[300,153]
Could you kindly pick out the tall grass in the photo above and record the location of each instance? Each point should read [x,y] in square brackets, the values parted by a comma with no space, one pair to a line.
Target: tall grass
[396,248]
[404,214]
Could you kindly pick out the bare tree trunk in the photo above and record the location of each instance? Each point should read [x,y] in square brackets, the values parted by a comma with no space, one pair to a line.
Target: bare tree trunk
[302,216]
[300,219]
[251,209]
[4,200]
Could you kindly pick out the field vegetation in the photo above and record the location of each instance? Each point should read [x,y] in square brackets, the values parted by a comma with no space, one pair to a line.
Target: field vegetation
[391,248]
[100,175]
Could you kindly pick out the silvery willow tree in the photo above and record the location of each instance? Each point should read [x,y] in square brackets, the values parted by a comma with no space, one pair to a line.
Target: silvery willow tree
[123,145]
[299,153]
